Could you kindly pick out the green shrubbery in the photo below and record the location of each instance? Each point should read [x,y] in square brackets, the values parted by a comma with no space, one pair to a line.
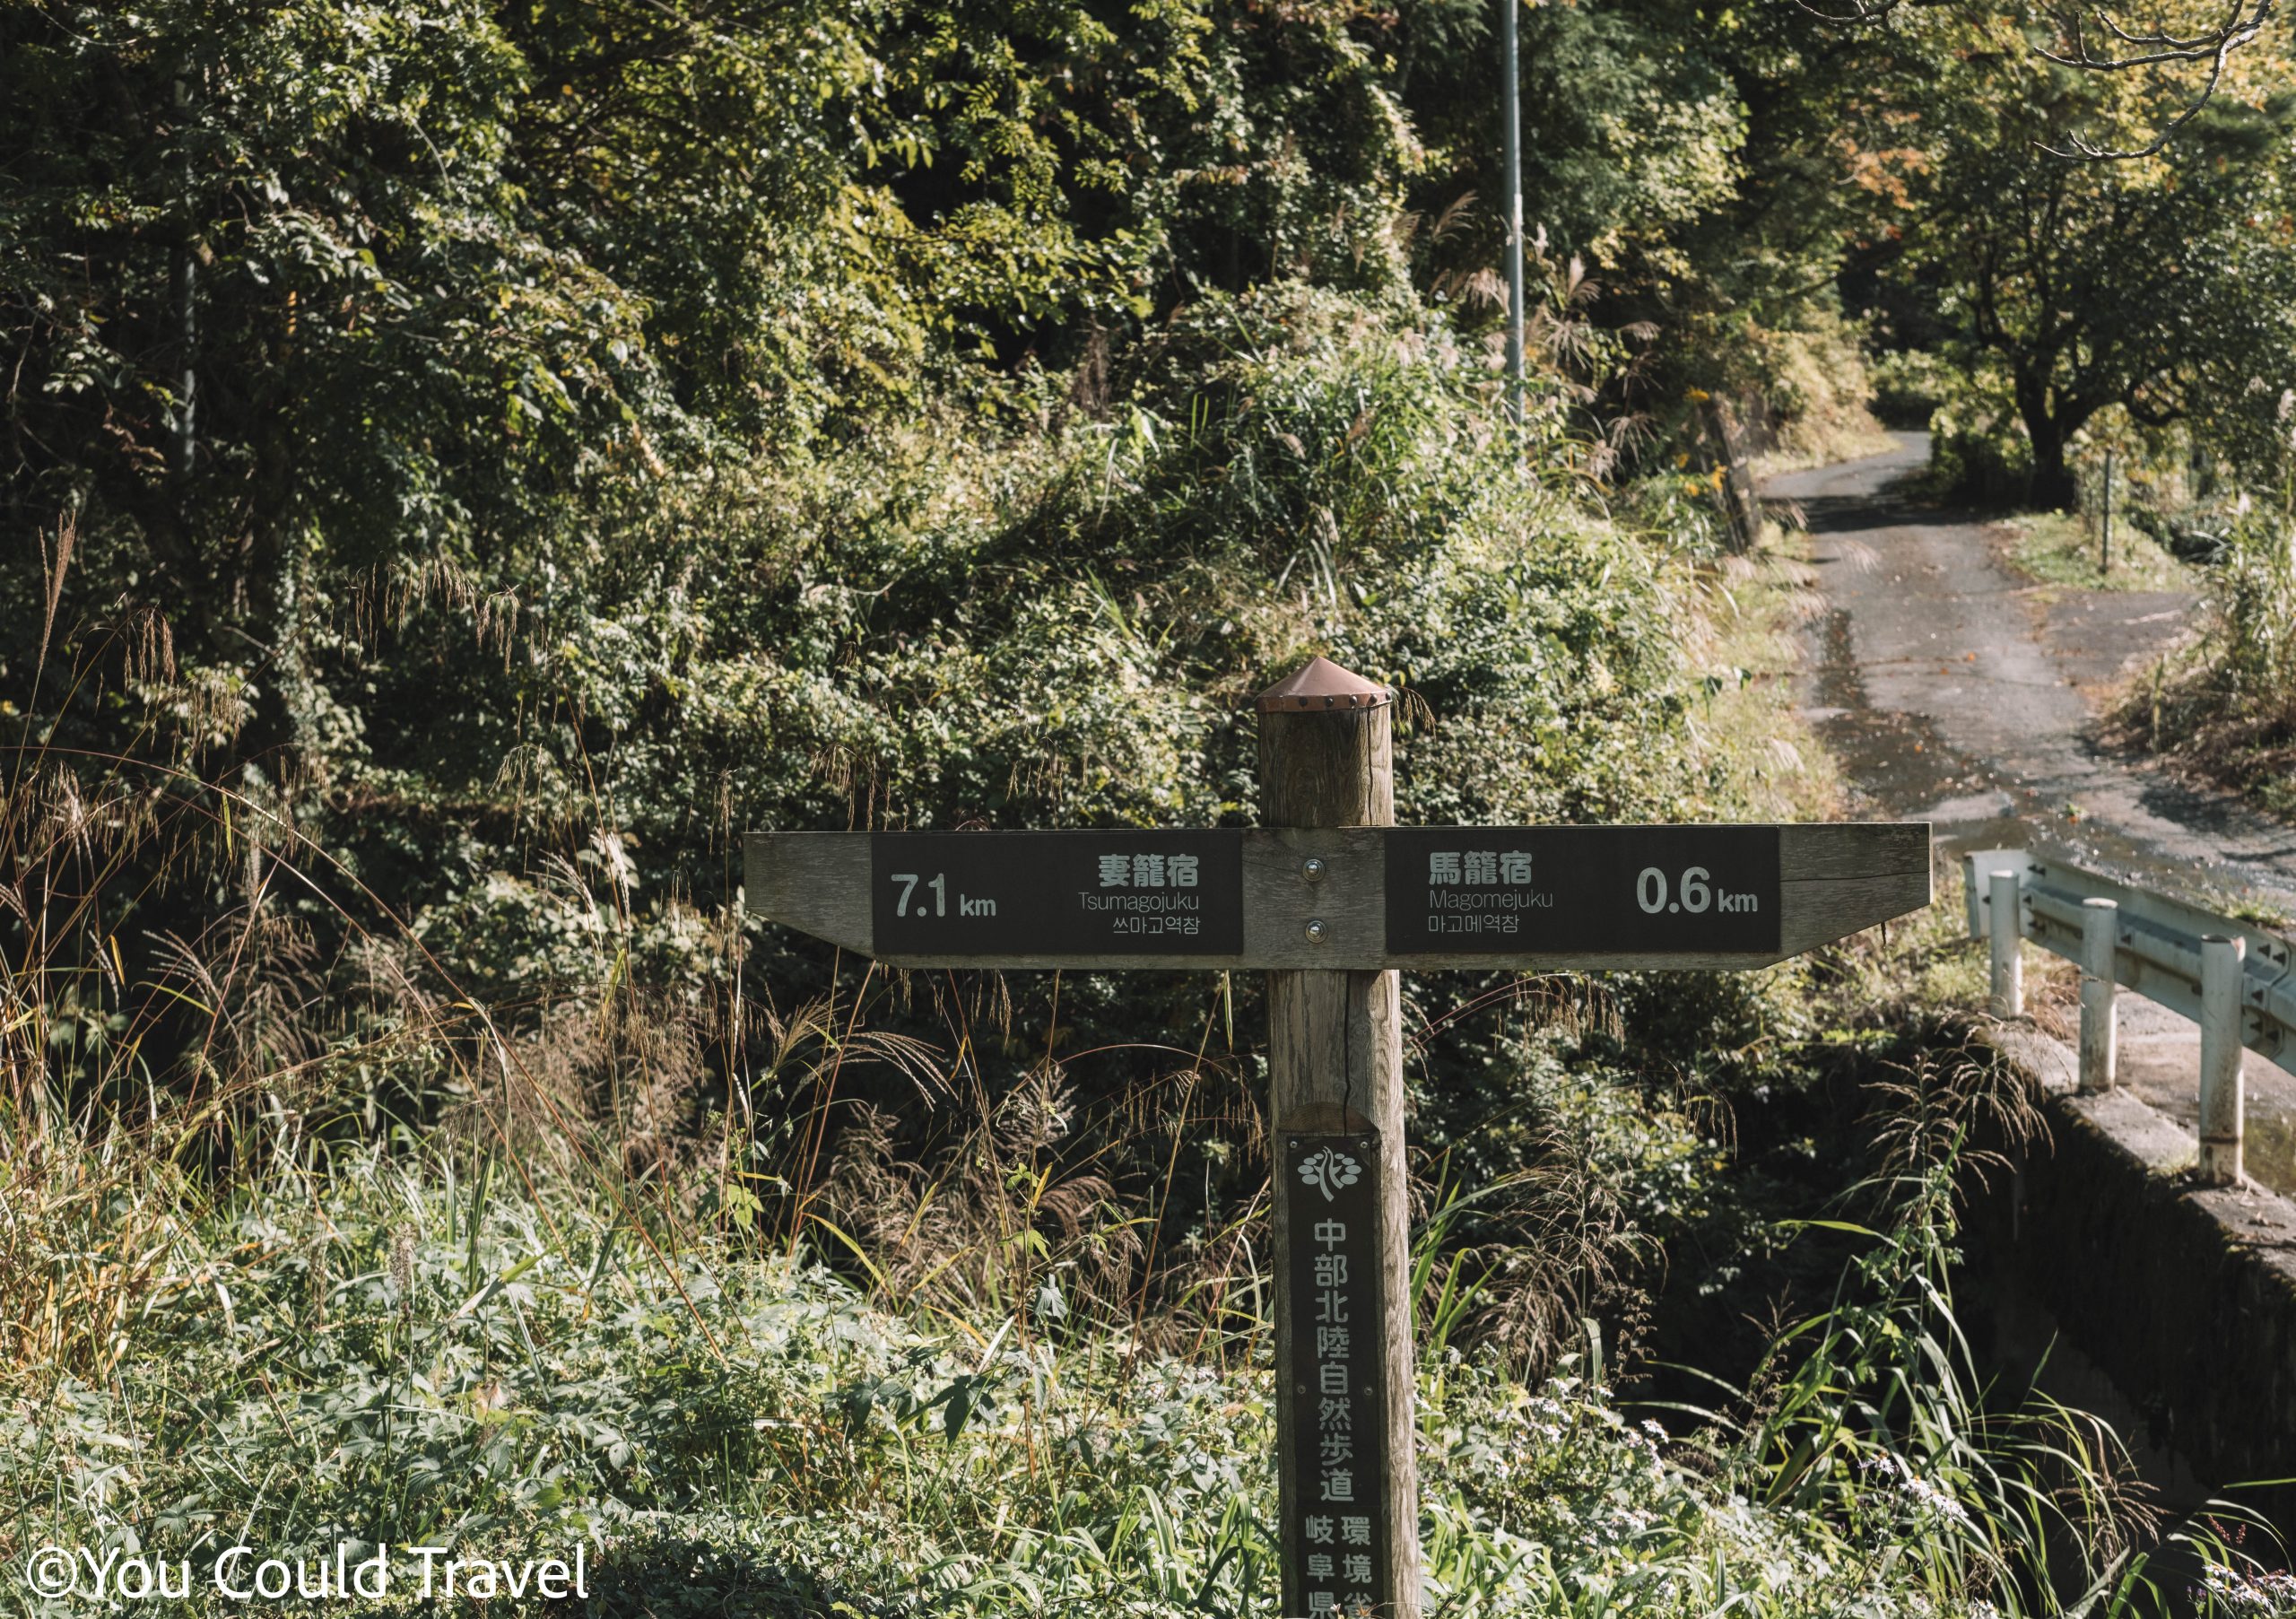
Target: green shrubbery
[1977,450]
[2222,706]
[537,799]
[384,1351]
[478,464]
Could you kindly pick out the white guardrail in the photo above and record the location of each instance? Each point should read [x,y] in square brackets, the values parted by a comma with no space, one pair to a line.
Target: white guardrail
[2234,980]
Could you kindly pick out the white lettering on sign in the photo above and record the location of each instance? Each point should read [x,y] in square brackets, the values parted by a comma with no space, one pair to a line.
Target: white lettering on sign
[1480,891]
[1149,871]
[1694,894]
[1338,1583]
[1336,1470]
[1478,867]
[967,905]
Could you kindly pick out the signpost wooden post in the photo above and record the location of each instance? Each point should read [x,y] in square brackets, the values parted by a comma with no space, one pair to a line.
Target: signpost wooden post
[1330,898]
[1347,1468]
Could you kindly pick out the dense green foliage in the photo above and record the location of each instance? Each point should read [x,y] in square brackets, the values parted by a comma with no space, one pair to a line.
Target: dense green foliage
[2156,289]
[469,463]
[510,1371]
[464,463]
[2041,261]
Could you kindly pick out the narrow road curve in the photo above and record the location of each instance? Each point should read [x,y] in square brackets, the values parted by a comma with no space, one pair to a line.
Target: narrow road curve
[1955,693]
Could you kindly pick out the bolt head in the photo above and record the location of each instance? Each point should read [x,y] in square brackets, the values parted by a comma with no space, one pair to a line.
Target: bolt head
[1315,930]
[1313,868]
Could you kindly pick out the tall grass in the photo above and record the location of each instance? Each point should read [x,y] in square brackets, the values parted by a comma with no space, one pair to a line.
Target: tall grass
[509,1334]
[2223,705]
[396,1346]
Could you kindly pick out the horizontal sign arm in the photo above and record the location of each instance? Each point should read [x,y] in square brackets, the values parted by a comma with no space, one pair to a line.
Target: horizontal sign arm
[1544,897]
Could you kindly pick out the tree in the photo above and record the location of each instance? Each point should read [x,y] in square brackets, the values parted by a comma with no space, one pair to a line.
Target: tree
[2160,283]
[2211,40]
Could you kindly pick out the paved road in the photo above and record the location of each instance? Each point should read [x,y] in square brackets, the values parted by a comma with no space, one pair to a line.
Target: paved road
[1954,692]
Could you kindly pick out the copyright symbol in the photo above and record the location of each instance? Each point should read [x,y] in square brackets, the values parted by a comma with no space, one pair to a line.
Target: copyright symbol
[52,1571]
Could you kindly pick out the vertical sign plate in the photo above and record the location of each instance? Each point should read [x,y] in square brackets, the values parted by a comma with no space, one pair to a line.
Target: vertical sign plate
[1338,1460]
[1595,890]
[1000,895]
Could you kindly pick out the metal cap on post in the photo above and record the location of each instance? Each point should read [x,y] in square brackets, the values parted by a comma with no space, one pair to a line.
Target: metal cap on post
[2099,1024]
[1347,1436]
[1318,686]
[2221,1083]
[2008,997]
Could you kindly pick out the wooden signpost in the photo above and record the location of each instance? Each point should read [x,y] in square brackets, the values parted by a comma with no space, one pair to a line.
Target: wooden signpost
[1330,898]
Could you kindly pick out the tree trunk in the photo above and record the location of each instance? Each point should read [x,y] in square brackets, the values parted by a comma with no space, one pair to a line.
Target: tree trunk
[2051,489]
[2050,486]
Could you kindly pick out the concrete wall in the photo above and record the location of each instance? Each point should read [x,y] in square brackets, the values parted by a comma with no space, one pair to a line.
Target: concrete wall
[2184,1297]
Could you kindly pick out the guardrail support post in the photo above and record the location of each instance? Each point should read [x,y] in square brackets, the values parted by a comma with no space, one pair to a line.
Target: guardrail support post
[2008,998]
[2221,1080]
[2100,1031]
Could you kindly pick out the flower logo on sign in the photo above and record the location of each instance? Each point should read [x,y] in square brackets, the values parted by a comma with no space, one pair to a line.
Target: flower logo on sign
[1329,1171]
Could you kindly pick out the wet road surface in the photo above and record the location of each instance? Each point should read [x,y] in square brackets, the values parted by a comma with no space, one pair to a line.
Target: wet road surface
[1954,692]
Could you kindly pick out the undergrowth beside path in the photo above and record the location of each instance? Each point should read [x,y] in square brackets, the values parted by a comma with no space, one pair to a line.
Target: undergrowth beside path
[381,1350]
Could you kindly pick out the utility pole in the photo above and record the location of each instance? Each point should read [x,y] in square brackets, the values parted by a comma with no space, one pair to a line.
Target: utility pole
[2105,534]
[1510,117]
[185,278]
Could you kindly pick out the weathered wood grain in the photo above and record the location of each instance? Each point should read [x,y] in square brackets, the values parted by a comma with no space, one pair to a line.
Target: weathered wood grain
[1335,1059]
[817,883]
[1811,850]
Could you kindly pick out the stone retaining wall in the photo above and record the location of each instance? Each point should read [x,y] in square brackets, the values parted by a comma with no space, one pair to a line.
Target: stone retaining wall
[2185,1297]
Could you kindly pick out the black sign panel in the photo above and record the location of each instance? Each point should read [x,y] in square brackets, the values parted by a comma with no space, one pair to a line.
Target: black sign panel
[1596,890]
[1337,1370]
[1005,894]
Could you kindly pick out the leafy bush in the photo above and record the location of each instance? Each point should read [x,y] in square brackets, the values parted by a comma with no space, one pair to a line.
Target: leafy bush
[1910,384]
[2221,707]
[413,1358]
[1979,451]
